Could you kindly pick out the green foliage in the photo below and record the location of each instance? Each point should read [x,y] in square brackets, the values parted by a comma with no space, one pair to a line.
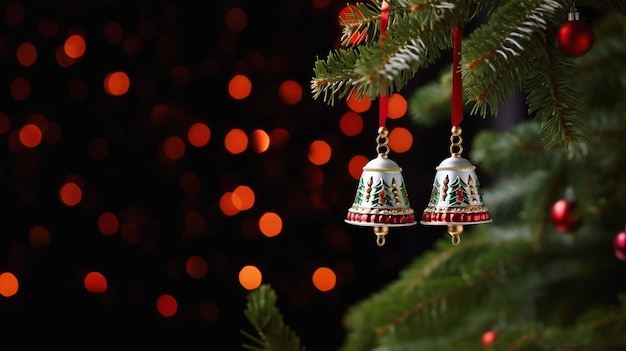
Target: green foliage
[273,333]
[510,47]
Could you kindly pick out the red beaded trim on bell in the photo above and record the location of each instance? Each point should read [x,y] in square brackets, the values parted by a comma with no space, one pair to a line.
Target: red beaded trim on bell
[464,214]
[381,217]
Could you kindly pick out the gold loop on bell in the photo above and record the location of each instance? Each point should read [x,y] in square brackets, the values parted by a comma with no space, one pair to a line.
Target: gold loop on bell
[455,141]
[455,232]
[382,142]
[380,235]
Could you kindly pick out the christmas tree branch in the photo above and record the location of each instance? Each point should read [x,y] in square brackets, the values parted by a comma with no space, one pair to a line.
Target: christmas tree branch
[462,290]
[273,333]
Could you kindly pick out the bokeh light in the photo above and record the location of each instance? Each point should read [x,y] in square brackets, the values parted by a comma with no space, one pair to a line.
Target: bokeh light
[30,135]
[167,305]
[239,87]
[39,237]
[356,164]
[9,285]
[26,54]
[397,106]
[400,139]
[319,152]
[270,224]
[236,141]
[260,141]
[324,279]
[250,277]
[359,105]
[95,283]
[116,83]
[174,148]
[108,223]
[243,197]
[196,267]
[351,123]
[199,134]
[75,46]
[290,92]
[70,194]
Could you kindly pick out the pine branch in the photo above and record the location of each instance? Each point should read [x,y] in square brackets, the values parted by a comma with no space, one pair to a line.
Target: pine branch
[500,54]
[273,334]
[373,69]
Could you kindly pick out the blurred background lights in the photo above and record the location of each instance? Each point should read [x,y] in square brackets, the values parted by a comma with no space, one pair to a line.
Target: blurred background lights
[116,83]
[70,194]
[39,237]
[30,135]
[243,197]
[228,205]
[397,106]
[110,125]
[199,134]
[75,46]
[359,105]
[270,224]
[174,148]
[166,305]
[324,279]
[239,87]
[108,223]
[351,123]
[26,54]
[196,267]
[236,19]
[236,141]
[260,140]
[250,277]
[400,139]
[95,283]
[9,285]
[290,92]
[355,166]
[319,152]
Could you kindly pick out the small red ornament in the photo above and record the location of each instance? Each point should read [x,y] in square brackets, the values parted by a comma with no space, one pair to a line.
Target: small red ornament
[619,246]
[349,15]
[488,337]
[563,216]
[575,38]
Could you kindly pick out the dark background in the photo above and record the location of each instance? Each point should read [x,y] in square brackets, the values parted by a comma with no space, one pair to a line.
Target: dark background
[282,40]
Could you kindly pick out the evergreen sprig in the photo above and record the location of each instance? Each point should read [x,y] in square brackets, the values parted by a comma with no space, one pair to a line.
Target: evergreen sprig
[510,47]
[272,333]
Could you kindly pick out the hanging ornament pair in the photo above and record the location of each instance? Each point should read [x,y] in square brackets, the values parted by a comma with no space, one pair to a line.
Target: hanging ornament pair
[381,199]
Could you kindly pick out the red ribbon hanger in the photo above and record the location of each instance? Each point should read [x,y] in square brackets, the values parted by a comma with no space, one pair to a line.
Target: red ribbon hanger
[457,85]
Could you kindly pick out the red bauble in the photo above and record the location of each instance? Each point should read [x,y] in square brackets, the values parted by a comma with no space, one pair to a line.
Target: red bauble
[348,15]
[563,216]
[575,38]
[619,246]
[489,337]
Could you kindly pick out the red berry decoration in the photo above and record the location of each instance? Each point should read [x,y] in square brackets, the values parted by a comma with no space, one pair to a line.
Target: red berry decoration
[575,38]
[619,246]
[488,337]
[563,216]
